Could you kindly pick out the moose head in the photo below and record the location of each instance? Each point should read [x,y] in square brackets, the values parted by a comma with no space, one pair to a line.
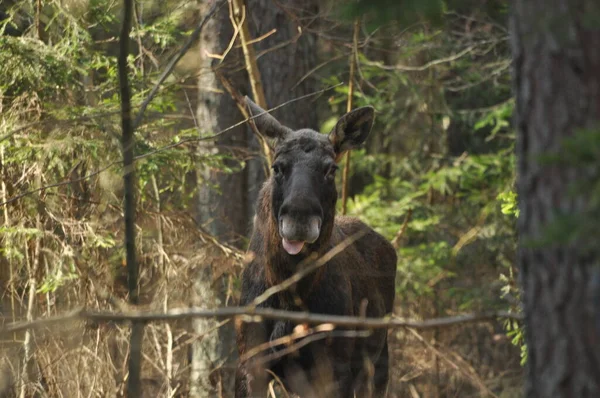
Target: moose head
[305,161]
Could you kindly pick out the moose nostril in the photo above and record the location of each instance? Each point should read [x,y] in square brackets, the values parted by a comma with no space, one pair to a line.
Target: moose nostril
[300,209]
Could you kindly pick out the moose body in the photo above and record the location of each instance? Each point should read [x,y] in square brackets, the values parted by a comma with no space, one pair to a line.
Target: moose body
[295,219]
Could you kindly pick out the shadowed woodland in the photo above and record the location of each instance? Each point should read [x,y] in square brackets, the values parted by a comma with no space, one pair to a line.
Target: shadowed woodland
[131,166]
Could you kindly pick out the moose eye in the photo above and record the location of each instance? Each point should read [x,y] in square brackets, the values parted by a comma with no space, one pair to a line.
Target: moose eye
[277,169]
[330,170]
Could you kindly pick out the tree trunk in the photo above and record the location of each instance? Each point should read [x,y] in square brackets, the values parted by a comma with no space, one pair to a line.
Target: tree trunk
[556,48]
[282,69]
[227,213]
[226,219]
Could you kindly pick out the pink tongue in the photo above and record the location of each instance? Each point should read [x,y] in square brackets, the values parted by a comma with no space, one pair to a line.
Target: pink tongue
[292,247]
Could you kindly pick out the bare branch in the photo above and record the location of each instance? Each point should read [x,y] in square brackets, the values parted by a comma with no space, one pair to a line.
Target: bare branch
[239,101]
[396,241]
[251,314]
[307,340]
[306,270]
[408,68]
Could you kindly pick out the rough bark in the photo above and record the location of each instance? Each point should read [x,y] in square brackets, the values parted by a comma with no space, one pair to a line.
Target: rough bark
[281,69]
[556,48]
[215,111]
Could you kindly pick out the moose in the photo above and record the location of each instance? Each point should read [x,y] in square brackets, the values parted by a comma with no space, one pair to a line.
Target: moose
[295,221]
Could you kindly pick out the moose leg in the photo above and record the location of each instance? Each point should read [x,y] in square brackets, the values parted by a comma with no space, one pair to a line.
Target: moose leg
[251,384]
[252,378]
[371,377]
[381,374]
[343,376]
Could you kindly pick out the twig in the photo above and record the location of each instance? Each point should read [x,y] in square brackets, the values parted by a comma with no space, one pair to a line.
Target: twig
[239,101]
[316,68]
[307,340]
[278,380]
[408,68]
[171,65]
[306,270]
[473,377]
[287,339]
[252,314]
[137,328]
[396,241]
[353,64]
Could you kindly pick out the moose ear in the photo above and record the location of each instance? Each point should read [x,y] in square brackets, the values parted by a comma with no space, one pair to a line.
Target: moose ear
[266,123]
[352,129]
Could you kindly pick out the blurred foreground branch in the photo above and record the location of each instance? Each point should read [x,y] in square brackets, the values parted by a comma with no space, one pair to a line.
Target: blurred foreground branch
[250,314]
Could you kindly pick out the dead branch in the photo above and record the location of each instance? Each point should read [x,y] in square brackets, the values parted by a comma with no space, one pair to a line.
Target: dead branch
[307,340]
[251,314]
[396,241]
[298,333]
[306,270]
[408,68]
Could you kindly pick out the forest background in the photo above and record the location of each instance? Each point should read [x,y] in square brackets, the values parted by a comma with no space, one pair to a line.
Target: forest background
[436,178]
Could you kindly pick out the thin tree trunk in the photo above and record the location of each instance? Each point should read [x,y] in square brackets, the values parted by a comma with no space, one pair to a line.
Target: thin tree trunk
[223,213]
[556,52]
[134,386]
[349,106]
[284,58]
[32,264]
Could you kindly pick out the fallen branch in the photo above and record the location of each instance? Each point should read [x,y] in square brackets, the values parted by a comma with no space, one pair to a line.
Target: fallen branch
[250,314]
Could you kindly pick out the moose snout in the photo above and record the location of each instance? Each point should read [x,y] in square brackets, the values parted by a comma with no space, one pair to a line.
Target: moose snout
[300,230]
[300,219]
